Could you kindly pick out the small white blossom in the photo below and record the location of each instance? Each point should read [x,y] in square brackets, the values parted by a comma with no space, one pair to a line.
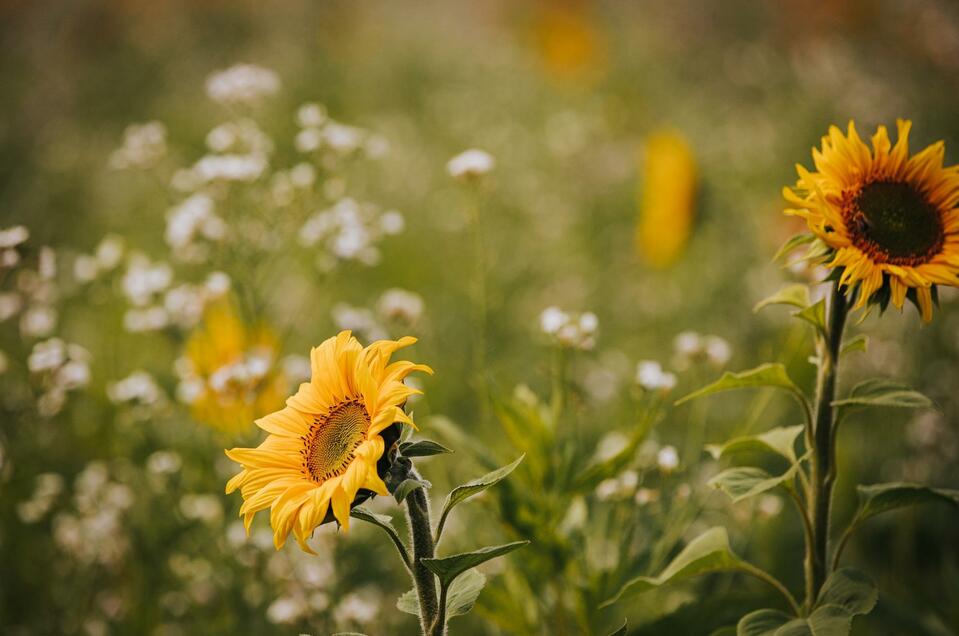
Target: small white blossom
[308,140]
[651,376]
[38,321]
[667,459]
[138,387]
[143,279]
[552,320]
[143,146]
[399,304]
[165,462]
[303,175]
[311,115]
[109,252]
[85,268]
[13,236]
[470,164]
[242,84]
[718,350]
[138,320]
[285,610]
[392,222]
[217,283]
[341,138]
[47,355]
[10,305]
[645,496]
[296,368]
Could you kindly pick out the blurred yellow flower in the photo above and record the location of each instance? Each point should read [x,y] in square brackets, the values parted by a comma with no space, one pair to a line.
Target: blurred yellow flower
[323,448]
[891,220]
[233,375]
[570,43]
[667,198]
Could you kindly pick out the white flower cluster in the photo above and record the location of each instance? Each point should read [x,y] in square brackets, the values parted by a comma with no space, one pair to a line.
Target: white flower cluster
[46,488]
[93,533]
[319,133]
[143,146]
[349,231]
[191,222]
[61,367]
[470,164]
[10,239]
[155,305]
[234,378]
[105,258]
[651,376]
[400,305]
[574,331]
[691,347]
[242,84]
[137,389]
[286,184]
[395,306]
[665,459]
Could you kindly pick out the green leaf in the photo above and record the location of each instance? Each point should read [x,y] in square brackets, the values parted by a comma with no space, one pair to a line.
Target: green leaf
[828,620]
[729,630]
[859,343]
[463,593]
[622,630]
[465,491]
[796,295]
[743,482]
[460,599]
[408,602]
[422,448]
[850,589]
[883,392]
[793,243]
[815,315]
[770,374]
[879,498]
[762,622]
[709,552]
[407,486]
[386,523]
[448,568]
[780,440]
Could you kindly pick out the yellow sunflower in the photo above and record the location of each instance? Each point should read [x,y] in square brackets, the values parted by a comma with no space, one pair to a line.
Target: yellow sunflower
[891,220]
[323,448]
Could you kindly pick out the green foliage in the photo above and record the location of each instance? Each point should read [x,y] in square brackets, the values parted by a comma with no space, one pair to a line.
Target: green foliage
[747,481]
[796,295]
[779,441]
[460,599]
[422,448]
[884,392]
[407,486]
[710,552]
[471,488]
[772,374]
[448,568]
[879,498]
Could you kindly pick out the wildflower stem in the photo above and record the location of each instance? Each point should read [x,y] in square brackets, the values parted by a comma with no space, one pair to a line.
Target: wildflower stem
[558,397]
[421,534]
[823,448]
[479,303]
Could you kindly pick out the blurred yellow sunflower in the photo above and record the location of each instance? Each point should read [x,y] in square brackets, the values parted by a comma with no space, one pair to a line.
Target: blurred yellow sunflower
[570,42]
[891,220]
[323,448]
[231,373]
[667,198]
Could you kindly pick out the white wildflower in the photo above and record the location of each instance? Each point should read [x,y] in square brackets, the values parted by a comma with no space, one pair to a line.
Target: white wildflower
[400,304]
[10,305]
[13,236]
[470,164]
[651,376]
[667,459]
[143,146]
[311,115]
[242,84]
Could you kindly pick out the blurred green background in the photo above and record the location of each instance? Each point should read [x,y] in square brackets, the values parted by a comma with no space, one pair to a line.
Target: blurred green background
[563,95]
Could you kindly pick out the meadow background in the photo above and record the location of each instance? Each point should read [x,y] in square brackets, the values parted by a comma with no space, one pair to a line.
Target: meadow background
[112,514]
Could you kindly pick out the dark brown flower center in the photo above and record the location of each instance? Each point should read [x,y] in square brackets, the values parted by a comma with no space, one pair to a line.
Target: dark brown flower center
[333,438]
[893,222]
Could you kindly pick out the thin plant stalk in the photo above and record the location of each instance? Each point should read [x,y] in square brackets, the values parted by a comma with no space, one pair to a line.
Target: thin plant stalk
[479,301]
[829,346]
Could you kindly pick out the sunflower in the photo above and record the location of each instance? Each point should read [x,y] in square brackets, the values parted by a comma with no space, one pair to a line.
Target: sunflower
[890,221]
[323,448]
[231,373]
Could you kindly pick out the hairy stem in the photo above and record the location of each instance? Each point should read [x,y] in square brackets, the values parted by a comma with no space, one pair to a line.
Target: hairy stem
[421,534]
[823,448]
[439,625]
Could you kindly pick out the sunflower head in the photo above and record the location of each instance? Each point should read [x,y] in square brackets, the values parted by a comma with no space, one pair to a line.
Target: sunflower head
[330,448]
[889,220]
[232,374]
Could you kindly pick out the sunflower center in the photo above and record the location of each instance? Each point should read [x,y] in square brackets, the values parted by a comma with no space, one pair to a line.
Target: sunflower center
[333,438]
[895,222]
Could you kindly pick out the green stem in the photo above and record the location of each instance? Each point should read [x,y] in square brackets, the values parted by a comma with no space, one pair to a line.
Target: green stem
[853,525]
[421,534]
[479,303]
[772,581]
[558,397]
[823,449]
[439,625]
